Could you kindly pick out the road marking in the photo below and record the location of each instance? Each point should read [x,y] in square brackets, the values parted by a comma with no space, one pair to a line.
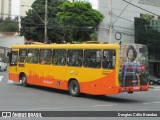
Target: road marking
[110,105]
[10,81]
[1,77]
[152,103]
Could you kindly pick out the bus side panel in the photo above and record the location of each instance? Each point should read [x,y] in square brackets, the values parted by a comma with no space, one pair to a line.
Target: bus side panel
[101,86]
[14,77]
[48,76]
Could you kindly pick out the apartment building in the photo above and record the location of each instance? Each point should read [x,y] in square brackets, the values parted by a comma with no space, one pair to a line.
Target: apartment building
[5,8]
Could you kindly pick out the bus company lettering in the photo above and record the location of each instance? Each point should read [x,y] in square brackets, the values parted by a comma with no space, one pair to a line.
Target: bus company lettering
[47,82]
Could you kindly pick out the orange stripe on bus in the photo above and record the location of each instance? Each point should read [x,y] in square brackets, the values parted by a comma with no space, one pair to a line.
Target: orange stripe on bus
[100,86]
[14,77]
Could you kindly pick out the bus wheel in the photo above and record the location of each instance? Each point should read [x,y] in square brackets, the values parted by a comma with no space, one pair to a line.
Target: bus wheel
[74,88]
[24,81]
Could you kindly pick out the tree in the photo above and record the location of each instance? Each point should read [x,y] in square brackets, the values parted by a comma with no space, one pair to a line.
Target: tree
[60,29]
[32,27]
[80,21]
[9,25]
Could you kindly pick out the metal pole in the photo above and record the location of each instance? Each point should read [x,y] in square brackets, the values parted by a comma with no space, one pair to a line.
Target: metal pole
[45,23]
[19,24]
[110,18]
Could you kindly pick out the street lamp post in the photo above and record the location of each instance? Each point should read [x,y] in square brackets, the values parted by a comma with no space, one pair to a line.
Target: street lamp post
[45,22]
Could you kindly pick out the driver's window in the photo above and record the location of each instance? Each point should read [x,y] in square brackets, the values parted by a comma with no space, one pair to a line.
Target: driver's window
[14,58]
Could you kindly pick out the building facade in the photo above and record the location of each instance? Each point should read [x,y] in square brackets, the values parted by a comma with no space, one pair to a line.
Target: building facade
[122,18]
[5,8]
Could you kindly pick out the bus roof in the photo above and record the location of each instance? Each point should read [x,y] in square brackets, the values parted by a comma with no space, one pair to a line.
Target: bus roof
[66,46]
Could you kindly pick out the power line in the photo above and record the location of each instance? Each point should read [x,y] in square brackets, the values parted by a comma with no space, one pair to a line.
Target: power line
[123,18]
[141,8]
[121,12]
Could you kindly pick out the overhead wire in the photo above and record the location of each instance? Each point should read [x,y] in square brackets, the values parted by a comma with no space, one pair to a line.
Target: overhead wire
[140,8]
[121,12]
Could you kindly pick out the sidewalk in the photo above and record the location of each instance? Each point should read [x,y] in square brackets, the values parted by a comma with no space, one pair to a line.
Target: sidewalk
[154,86]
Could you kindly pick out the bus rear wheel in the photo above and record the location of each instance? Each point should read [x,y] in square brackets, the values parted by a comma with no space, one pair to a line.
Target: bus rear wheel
[74,88]
[24,81]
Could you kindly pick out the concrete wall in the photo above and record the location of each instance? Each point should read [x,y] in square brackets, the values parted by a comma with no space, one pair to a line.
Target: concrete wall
[7,42]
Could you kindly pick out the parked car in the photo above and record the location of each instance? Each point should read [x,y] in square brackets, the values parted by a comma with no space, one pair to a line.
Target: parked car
[3,65]
[154,80]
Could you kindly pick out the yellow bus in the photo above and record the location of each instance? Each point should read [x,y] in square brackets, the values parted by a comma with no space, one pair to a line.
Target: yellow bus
[96,69]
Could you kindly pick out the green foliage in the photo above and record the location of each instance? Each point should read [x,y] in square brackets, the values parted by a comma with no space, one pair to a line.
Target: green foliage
[147,16]
[81,19]
[33,26]
[66,21]
[9,25]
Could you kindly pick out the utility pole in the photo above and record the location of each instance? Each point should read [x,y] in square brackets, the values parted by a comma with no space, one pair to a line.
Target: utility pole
[110,21]
[46,22]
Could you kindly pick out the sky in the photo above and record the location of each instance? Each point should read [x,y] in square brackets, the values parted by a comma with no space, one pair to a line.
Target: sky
[15,7]
[94,3]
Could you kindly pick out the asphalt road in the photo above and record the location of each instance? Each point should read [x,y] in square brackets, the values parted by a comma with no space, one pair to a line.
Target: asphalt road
[14,97]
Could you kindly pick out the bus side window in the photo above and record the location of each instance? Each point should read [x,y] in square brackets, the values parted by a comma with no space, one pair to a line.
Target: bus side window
[45,56]
[108,59]
[92,58]
[22,55]
[59,57]
[74,58]
[33,56]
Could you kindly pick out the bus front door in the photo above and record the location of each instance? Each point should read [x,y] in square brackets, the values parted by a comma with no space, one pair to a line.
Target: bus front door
[13,66]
